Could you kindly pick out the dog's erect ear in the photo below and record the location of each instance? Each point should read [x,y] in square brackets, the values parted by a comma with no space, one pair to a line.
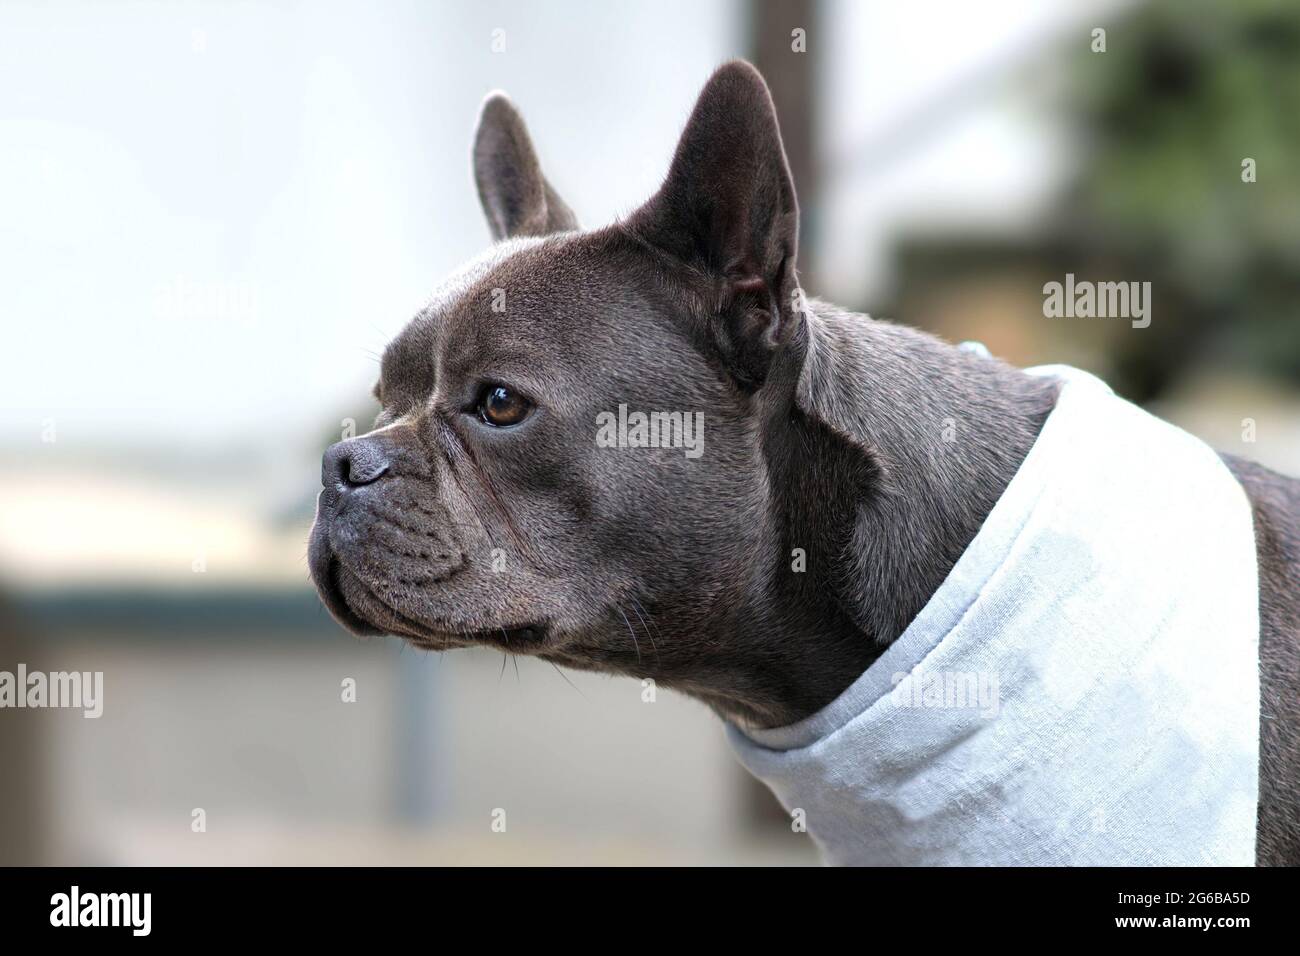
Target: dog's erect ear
[516,198]
[728,207]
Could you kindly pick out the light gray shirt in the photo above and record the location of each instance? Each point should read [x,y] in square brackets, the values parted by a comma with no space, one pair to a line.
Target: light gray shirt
[1083,688]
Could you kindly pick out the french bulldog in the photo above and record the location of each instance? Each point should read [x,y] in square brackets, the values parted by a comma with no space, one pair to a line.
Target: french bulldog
[481,511]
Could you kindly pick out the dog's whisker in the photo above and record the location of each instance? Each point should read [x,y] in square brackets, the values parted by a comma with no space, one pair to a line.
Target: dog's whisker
[566,679]
[635,643]
[638,609]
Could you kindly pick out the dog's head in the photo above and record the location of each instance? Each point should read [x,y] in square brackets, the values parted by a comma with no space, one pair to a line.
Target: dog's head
[506,495]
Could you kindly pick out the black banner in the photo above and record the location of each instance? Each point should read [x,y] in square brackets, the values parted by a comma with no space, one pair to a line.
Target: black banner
[368,905]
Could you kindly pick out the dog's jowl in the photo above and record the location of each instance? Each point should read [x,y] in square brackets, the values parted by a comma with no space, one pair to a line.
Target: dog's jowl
[597,442]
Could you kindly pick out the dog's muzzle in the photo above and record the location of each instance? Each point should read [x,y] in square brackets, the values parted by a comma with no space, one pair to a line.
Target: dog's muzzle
[346,468]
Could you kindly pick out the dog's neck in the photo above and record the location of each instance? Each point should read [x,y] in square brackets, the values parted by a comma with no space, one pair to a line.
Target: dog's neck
[894,451]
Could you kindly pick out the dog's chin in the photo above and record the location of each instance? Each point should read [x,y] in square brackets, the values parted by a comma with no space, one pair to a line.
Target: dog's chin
[528,639]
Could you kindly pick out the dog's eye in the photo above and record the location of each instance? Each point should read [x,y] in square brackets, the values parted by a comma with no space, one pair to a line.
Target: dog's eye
[501,406]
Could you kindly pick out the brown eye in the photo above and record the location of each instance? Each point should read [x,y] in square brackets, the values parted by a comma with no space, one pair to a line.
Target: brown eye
[501,406]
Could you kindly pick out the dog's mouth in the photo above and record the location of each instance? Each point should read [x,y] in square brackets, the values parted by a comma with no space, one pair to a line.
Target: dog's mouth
[361,611]
[326,574]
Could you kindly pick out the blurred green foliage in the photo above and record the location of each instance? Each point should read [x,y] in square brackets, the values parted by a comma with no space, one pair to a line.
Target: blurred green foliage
[1186,91]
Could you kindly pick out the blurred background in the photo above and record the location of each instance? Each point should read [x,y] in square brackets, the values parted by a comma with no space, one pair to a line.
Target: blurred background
[213,216]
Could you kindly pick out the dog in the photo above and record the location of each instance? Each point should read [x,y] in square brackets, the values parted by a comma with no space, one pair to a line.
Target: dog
[480,511]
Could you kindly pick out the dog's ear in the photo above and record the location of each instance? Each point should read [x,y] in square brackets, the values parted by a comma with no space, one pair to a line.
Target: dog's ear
[516,198]
[728,208]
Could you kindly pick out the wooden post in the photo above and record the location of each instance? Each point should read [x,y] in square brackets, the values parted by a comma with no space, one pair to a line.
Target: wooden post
[788,61]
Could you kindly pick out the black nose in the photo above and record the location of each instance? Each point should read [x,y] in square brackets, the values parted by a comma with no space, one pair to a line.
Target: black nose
[353,463]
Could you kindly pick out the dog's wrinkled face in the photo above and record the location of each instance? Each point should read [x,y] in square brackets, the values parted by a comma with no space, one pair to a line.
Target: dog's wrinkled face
[485,506]
[482,509]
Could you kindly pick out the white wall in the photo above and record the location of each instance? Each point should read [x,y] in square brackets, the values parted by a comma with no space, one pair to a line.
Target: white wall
[214,214]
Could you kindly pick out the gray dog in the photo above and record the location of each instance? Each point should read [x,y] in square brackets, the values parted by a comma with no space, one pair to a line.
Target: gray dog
[483,509]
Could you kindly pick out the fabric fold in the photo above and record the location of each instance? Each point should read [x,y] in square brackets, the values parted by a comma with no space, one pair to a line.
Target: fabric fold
[1083,688]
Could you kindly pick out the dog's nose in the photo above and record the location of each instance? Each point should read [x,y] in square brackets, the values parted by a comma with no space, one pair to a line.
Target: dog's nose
[353,463]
